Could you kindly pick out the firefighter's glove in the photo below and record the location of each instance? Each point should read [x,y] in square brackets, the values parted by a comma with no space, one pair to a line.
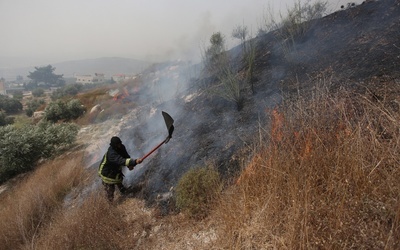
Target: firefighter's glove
[132,163]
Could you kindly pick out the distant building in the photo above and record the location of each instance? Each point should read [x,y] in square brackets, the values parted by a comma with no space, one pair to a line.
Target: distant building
[2,88]
[10,89]
[122,77]
[90,79]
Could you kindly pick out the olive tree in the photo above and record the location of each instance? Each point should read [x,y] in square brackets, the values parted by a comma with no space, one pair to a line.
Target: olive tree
[60,110]
[22,148]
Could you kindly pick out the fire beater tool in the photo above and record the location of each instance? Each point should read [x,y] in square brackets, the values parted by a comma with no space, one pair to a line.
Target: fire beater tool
[169,123]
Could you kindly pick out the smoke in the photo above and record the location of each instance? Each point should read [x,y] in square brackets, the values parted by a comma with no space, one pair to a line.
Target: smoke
[164,86]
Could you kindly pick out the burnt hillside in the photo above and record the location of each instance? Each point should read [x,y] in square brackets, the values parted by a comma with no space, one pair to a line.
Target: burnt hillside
[357,47]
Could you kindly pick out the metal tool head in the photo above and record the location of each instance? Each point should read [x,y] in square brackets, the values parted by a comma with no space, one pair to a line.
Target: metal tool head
[169,123]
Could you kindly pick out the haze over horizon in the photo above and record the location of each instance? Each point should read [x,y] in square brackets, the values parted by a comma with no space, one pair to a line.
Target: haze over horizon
[51,31]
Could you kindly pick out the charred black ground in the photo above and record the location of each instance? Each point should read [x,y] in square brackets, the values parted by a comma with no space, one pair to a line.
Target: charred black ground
[356,48]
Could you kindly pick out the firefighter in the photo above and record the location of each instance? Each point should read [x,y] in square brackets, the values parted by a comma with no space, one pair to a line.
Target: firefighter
[110,169]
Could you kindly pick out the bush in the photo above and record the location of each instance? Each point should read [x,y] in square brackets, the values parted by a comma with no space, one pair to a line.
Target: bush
[10,105]
[196,190]
[69,90]
[33,105]
[55,111]
[23,147]
[217,60]
[215,54]
[5,120]
[18,94]
[38,92]
[74,109]
[60,110]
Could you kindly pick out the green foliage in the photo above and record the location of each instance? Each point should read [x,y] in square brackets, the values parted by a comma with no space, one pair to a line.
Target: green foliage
[5,120]
[229,87]
[215,54]
[23,147]
[55,111]
[10,105]
[196,191]
[60,110]
[33,105]
[68,90]
[74,109]
[38,92]
[18,94]
[44,76]
[217,60]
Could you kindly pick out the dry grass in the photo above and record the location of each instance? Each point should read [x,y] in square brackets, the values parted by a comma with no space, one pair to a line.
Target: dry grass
[325,176]
[110,108]
[328,178]
[30,205]
[93,224]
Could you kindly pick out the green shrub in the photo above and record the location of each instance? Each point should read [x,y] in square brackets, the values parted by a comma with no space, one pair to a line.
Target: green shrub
[10,105]
[196,191]
[229,87]
[22,148]
[74,109]
[68,90]
[33,105]
[217,60]
[215,54]
[5,120]
[67,111]
[18,94]
[38,92]
[55,111]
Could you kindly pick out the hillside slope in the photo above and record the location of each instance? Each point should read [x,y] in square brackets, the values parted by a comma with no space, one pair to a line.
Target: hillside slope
[351,48]
[313,152]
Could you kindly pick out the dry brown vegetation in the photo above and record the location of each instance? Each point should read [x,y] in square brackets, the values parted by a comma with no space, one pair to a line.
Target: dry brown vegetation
[28,207]
[327,179]
[324,175]
[111,108]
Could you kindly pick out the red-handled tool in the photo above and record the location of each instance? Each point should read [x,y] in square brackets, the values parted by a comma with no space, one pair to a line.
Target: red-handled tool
[169,123]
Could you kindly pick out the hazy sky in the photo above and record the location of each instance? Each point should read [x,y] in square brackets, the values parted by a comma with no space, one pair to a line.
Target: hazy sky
[50,31]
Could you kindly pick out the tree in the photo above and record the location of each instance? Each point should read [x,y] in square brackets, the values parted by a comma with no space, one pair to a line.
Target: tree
[217,61]
[45,76]
[22,148]
[32,106]
[75,110]
[38,92]
[217,45]
[55,111]
[18,94]
[240,32]
[68,90]
[10,105]
[5,120]
[60,110]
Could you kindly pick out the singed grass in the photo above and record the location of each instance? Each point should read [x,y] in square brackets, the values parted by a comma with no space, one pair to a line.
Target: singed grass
[326,177]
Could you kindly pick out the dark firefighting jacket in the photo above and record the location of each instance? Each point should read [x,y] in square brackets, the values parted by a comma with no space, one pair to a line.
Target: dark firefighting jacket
[110,169]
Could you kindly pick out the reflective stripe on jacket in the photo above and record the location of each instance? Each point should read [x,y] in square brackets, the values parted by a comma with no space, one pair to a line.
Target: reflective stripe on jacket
[110,169]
